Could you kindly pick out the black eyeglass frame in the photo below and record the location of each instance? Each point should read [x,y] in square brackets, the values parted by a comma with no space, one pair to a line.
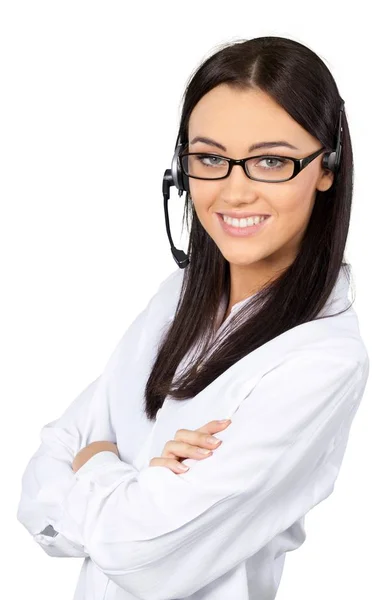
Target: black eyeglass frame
[299,164]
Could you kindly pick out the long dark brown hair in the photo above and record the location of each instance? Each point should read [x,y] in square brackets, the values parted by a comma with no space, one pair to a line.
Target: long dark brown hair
[299,81]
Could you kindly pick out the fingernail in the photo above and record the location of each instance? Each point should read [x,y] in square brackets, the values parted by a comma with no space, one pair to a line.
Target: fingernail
[213,440]
[224,421]
[182,467]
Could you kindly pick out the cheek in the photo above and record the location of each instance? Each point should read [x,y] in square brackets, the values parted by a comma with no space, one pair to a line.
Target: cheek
[203,200]
[295,206]
[200,192]
[292,213]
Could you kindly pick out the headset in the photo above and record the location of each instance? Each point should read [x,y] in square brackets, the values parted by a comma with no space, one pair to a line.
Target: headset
[176,177]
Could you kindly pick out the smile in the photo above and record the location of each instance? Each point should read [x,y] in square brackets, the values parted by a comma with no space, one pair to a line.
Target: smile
[244,230]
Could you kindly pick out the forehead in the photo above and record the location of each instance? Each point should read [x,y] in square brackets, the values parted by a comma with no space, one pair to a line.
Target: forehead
[239,118]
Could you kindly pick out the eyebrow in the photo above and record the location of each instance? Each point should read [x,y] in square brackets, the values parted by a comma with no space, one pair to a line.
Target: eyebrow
[210,142]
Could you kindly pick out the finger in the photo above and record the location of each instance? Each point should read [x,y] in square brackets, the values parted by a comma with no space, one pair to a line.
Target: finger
[170,463]
[173,448]
[195,439]
[209,428]
[203,437]
[214,426]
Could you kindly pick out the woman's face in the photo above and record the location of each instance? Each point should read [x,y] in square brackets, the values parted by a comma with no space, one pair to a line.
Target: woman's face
[237,119]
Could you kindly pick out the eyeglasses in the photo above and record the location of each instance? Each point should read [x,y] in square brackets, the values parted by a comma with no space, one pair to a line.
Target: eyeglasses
[265,167]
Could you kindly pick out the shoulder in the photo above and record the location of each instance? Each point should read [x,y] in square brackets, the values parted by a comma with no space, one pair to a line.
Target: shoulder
[163,304]
[172,283]
[326,359]
[145,329]
[318,346]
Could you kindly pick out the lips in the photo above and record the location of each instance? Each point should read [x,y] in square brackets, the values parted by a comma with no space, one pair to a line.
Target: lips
[243,215]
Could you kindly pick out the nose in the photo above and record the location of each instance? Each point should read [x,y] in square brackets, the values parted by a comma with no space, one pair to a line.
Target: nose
[238,185]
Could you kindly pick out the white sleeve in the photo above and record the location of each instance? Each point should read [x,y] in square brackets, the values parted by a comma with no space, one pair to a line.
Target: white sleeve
[160,535]
[49,476]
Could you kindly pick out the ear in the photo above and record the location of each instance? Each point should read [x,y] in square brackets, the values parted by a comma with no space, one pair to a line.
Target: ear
[325,180]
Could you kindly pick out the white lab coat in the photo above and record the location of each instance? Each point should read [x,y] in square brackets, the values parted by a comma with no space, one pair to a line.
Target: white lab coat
[220,530]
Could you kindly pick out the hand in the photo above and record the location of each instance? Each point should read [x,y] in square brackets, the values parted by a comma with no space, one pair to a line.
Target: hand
[186,444]
[86,453]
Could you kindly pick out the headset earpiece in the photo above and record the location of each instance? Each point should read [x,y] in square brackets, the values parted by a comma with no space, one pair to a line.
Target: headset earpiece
[331,160]
[181,181]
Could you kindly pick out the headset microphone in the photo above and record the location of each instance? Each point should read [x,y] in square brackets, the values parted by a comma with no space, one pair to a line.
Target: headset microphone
[179,256]
[175,176]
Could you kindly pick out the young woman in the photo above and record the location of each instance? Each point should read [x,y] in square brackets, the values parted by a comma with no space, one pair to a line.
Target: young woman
[257,328]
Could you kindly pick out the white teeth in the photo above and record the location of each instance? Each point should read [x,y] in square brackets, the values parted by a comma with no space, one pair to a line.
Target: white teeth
[243,222]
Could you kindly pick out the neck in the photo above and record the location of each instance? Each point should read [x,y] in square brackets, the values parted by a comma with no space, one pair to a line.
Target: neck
[246,280]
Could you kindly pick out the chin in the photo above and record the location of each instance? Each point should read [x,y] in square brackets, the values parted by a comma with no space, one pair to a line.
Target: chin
[241,259]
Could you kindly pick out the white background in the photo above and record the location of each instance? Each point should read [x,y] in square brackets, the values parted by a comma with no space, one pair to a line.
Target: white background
[89,108]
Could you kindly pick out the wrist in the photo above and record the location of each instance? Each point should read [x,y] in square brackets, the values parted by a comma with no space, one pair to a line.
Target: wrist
[90,450]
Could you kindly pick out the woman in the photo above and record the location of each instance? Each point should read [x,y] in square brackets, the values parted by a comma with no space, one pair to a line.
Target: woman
[257,328]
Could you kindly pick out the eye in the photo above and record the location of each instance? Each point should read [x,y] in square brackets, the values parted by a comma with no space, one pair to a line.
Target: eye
[202,158]
[272,158]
